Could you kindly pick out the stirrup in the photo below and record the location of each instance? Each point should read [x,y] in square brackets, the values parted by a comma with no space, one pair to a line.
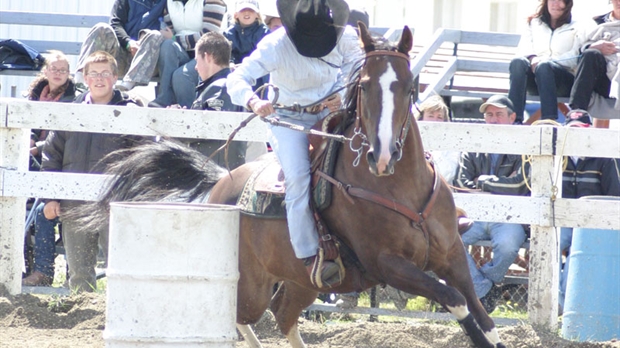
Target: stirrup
[321,279]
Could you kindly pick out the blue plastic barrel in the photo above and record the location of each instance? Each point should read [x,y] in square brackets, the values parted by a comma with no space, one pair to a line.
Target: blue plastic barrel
[592,305]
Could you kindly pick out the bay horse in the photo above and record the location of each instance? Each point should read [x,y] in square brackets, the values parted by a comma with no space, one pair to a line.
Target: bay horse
[393,211]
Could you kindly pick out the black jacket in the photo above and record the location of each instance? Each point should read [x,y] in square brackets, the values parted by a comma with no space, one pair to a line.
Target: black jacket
[211,94]
[79,152]
[508,179]
[590,177]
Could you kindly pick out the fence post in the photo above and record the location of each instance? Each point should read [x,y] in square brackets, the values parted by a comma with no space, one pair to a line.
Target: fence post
[544,263]
[14,149]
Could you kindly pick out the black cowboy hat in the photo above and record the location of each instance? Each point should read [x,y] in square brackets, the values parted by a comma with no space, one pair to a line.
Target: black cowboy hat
[314,26]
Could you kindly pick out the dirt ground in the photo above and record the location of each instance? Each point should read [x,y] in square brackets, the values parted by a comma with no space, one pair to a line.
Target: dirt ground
[79,321]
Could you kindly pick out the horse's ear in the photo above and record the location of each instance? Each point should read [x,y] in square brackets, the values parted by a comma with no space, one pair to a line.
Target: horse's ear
[367,42]
[406,41]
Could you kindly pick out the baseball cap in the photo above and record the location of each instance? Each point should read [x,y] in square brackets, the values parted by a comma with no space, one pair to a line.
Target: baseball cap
[578,118]
[499,101]
[246,4]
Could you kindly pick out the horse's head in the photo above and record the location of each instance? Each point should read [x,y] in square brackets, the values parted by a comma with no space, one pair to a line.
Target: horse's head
[384,99]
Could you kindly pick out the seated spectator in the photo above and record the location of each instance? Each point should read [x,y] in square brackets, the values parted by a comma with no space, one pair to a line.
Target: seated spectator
[131,37]
[271,17]
[80,152]
[52,85]
[212,64]
[186,21]
[496,174]
[598,65]
[584,176]
[247,31]
[547,58]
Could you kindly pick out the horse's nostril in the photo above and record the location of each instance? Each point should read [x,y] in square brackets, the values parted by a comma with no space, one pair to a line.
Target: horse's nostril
[370,157]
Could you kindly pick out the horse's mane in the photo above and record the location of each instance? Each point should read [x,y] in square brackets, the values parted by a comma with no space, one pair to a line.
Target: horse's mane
[378,44]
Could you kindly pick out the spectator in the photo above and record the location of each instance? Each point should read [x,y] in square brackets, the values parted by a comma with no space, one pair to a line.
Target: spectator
[247,31]
[547,58]
[131,37]
[496,174]
[584,176]
[447,162]
[271,17]
[186,21]
[79,152]
[598,65]
[358,15]
[212,64]
[308,60]
[52,85]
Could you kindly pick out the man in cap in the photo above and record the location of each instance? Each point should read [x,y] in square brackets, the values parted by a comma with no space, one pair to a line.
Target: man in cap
[308,61]
[497,174]
[583,176]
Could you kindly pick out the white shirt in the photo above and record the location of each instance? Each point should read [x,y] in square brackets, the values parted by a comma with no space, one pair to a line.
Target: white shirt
[300,79]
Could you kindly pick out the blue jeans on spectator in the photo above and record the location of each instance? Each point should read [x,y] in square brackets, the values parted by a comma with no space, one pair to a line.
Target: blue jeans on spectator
[506,240]
[549,81]
[184,82]
[44,242]
[566,239]
[171,57]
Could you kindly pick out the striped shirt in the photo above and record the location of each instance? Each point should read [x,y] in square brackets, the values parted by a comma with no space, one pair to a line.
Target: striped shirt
[186,33]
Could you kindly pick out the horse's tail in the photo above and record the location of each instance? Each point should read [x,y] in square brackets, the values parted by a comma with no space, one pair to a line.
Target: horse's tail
[156,171]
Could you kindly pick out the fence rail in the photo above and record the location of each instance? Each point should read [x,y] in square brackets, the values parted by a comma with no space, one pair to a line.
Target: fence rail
[543,144]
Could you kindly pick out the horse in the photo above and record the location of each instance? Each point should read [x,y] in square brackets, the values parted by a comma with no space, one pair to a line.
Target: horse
[389,208]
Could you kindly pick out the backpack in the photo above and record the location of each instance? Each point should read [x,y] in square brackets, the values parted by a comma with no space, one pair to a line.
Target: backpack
[16,55]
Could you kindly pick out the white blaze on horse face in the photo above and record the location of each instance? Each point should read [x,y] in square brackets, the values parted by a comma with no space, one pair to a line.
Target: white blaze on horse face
[385,119]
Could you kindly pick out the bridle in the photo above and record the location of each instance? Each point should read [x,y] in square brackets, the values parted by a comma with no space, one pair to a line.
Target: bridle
[357,130]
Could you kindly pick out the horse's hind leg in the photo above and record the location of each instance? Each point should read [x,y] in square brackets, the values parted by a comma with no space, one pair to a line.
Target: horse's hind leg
[287,304]
[456,274]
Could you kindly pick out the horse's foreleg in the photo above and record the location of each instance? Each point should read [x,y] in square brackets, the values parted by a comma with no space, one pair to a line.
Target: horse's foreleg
[287,304]
[456,274]
[404,275]
[249,336]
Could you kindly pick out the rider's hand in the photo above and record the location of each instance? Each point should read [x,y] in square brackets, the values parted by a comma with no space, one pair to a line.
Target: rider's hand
[261,107]
[51,210]
[333,103]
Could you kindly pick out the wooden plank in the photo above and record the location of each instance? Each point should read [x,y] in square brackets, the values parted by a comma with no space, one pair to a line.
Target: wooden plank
[442,78]
[500,208]
[587,141]
[491,39]
[482,65]
[67,47]
[86,187]
[134,120]
[57,19]
[592,213]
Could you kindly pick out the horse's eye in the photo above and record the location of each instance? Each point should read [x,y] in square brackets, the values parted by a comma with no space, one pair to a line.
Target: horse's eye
[363,87]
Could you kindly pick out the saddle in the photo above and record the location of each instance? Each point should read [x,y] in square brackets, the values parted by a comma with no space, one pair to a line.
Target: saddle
[263,193]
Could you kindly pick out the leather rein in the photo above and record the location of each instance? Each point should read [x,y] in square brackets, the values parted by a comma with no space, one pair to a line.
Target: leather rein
[417,217]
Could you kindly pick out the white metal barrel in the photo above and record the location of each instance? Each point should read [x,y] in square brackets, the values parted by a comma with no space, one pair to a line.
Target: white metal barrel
[172,275]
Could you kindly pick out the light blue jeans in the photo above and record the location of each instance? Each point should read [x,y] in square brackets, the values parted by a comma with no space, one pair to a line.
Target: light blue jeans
[291,149]
[506,239]
[566,240]
[171,57]
[184,82]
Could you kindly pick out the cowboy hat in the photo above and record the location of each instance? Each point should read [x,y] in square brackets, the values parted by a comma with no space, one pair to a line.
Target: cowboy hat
[314,26]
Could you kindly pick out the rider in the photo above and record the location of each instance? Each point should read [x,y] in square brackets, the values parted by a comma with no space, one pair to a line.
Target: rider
[308,60]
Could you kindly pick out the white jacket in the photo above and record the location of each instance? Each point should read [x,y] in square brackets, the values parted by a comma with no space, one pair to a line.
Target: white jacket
[561,45]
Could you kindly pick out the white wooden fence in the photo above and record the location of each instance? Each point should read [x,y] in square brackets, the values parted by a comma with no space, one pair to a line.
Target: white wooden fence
[541,210]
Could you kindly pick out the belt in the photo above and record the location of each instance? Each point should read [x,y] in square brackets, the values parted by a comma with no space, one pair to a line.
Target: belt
[315,109]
